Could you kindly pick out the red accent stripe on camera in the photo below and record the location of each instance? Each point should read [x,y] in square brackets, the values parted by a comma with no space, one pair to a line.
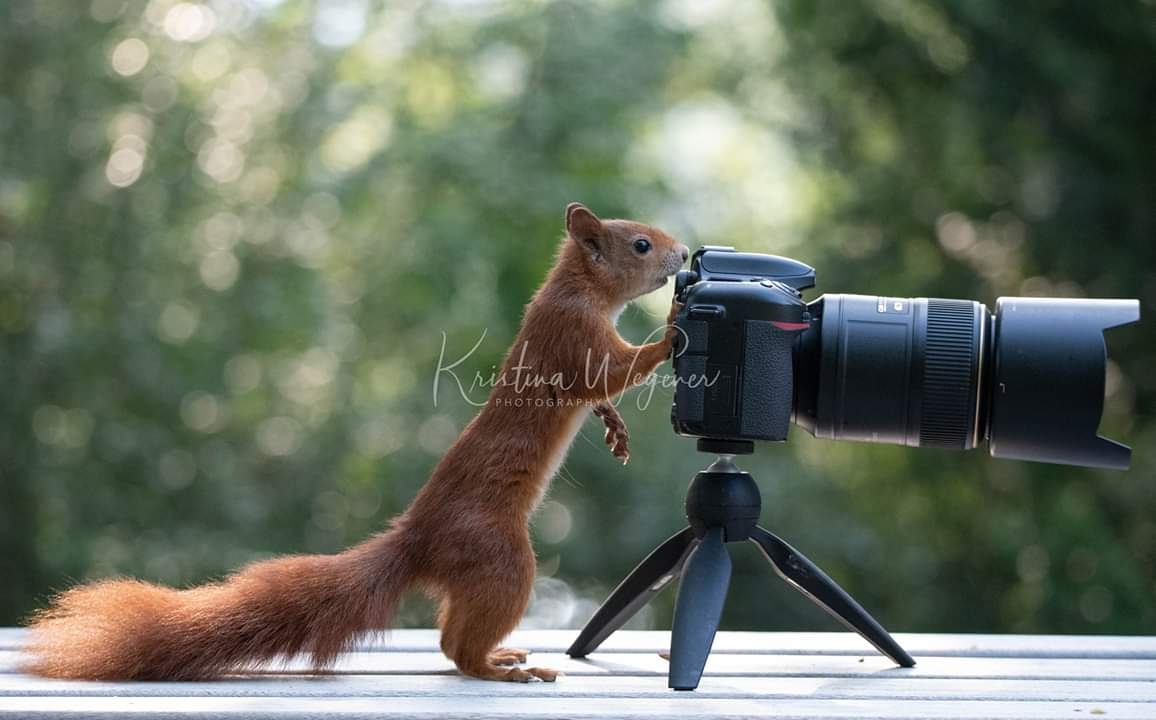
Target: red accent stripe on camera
[790,325]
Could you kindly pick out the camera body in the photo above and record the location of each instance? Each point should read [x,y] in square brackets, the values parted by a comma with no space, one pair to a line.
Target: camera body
[741,317]
[751,356]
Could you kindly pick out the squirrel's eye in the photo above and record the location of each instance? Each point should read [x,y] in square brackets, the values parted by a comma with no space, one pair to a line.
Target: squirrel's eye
[641,246]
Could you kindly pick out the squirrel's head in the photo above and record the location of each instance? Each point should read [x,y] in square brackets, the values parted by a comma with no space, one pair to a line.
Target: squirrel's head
[627,258]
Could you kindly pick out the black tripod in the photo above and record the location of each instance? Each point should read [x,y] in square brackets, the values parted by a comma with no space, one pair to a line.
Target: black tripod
[722,505]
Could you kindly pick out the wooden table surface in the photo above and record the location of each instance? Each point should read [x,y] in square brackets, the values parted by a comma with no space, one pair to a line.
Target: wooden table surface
[787,675]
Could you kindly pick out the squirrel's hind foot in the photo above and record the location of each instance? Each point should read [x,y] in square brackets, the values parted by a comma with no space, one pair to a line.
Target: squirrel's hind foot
[507,656]
[527,674]
[491,671]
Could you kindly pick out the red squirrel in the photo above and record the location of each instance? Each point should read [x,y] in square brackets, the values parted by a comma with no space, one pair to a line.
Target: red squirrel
[464,540]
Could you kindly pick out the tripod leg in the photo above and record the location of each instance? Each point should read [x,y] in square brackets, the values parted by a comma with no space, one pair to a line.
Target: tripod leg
[653,574]
[807,578]
[701,594]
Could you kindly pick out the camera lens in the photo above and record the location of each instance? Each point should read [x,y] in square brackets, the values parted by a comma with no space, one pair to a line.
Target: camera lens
[892,370]
[947,373]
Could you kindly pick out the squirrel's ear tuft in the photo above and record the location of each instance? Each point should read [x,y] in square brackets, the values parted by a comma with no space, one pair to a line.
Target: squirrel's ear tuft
[585,228]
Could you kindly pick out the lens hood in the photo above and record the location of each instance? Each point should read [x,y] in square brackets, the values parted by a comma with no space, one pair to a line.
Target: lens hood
[1046,390]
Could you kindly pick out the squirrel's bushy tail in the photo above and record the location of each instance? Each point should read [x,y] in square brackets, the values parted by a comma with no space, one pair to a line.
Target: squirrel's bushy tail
[132,630]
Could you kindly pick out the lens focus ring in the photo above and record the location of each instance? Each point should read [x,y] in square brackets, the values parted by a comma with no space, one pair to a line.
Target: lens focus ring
[949,374]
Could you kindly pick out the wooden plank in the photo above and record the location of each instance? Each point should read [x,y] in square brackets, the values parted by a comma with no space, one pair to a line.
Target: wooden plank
[676,706]
[644,664]
[604,686]
[780,643]
[792,675]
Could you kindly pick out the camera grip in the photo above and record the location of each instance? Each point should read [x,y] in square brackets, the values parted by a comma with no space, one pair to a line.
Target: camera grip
[768,381]
[690,347]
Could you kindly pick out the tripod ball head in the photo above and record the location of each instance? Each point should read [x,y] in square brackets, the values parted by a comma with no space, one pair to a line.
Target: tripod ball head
[723,496]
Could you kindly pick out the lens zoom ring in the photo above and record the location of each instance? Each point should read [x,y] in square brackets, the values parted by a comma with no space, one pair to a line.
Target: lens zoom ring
[947,375]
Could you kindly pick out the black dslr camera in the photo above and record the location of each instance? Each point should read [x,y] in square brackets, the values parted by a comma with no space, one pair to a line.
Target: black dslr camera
[752,356]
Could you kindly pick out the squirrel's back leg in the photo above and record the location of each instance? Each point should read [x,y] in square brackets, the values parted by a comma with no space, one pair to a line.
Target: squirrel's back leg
[498,656]
[483,607]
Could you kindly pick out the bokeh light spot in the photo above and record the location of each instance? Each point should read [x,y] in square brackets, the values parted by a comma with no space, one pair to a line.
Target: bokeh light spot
[106,10]
[352,143]
[956,233]
[279,436]
[338,23]
[436,433]
[124,167]
[62,428]
[220,231]
[501,71]
[243,373]
[202,411]
[219,270]
[1032,564]
[221,160]
[129,57]
[1096,604]
[177,322]
[553,522]
[377,437]
[189,22]
[211,62]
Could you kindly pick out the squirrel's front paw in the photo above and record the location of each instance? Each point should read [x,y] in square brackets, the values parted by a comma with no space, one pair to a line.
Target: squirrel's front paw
[617,437]
[671,330]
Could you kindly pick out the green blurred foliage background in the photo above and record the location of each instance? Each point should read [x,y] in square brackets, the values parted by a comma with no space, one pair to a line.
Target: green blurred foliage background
[233,236]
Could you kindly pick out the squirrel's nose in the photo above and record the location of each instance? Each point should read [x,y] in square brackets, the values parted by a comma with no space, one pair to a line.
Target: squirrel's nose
[685,253]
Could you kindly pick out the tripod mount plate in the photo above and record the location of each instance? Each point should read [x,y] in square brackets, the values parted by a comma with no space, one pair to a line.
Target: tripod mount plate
[718,446]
